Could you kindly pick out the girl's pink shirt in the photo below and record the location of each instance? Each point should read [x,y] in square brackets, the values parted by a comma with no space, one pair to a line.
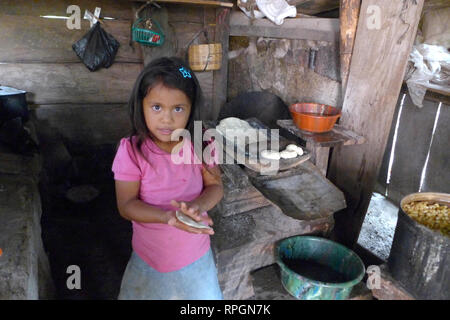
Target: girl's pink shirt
[164,247]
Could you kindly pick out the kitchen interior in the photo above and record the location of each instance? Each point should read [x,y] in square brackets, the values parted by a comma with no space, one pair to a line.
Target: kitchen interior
[358,207]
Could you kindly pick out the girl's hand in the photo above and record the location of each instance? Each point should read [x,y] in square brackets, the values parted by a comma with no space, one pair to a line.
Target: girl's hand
[192,210]
[173,221]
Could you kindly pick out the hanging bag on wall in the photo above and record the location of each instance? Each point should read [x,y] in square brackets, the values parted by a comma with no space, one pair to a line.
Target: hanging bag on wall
[97,49]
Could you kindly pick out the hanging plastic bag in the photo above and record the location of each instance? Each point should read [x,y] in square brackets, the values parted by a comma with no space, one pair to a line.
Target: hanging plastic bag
[428,61]
[276,10]
[97,49]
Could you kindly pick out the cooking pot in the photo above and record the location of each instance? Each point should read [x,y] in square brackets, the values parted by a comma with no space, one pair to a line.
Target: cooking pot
[13,104]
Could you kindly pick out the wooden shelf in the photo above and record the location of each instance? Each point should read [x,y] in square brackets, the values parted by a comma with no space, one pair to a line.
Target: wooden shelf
[337,136]
[320,143]
[319,29]
[196,2]
[439,89]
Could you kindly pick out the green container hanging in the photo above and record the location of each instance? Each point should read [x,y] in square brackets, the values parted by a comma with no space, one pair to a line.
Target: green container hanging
[146,36]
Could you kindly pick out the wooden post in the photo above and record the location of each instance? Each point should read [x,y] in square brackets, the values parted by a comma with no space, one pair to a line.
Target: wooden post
[384,38]
[319,156]
[348,17]
[220,80]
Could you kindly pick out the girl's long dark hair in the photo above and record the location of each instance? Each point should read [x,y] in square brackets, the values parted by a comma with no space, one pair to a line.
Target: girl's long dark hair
[165,70]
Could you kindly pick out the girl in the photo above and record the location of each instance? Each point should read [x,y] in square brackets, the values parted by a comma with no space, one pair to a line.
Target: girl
[170,260]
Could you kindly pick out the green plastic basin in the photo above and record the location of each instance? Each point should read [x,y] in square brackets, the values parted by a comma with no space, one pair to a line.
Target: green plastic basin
[318,251]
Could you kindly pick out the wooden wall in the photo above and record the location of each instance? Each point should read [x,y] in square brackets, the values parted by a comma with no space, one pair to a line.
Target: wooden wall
[414,144]
[36,55]
[182,24]
[90,107]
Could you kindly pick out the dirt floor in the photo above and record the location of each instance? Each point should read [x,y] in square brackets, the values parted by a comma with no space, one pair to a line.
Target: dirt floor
[95,238]
[90,235]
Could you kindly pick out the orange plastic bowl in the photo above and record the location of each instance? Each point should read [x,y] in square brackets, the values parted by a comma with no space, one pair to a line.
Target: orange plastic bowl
[314,117]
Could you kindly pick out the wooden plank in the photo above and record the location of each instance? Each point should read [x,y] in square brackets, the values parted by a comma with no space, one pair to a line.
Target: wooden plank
[348,16]
[301,193]
[438,174]
[185,14]
[239,194]
[315,6]
[320,29]
[410,153]
[206,80]
[378,65]
[381,185]
[71,83]
[119,9]
[82,124]
[195,2]
[319,157]
[220,82]
[34,39]
[337,136]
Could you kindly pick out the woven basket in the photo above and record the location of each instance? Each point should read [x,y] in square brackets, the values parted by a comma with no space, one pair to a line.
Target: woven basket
[205,57]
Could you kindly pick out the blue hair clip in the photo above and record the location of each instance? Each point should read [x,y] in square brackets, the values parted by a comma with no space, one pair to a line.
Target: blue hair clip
[185,73]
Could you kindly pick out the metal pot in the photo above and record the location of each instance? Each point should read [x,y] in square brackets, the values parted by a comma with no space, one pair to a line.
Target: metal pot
[419,256]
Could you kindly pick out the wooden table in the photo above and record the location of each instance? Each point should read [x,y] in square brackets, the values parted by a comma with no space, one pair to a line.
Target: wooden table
[319,144]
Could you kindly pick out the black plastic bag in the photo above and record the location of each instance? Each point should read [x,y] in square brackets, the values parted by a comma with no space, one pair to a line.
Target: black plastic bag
[97,48]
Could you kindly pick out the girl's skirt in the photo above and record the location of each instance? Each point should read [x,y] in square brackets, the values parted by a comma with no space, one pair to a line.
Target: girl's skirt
[196,281]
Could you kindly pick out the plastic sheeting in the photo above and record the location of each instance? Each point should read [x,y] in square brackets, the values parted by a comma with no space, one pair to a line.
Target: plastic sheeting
[429,64]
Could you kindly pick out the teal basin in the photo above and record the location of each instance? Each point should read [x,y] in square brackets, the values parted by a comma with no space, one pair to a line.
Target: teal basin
[330,259]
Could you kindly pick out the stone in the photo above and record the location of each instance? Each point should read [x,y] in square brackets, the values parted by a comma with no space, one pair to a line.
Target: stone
[24,266]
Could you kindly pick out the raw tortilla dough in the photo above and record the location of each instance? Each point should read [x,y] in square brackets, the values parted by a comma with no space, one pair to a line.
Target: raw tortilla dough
[293,147]
[190,222]
[287,154]
[235,127]
[270,154]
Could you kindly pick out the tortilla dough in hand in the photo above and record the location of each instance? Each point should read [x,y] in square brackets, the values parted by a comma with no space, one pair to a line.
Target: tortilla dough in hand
[190,222]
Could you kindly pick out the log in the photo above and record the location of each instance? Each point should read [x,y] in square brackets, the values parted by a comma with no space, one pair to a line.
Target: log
[71,83]
[376,73]
[220,83]
[120,9]
[35,39]
[313,7]
[319,29]
[82,124]
[348,14]
[195,2]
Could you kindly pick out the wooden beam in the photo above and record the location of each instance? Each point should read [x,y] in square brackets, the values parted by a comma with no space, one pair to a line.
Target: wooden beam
[32,39]
[314,7]
[384,37]
[222,35]
[320,29]
[84,124]
[195,2]
[349,12]
[54,83]
[114,9]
